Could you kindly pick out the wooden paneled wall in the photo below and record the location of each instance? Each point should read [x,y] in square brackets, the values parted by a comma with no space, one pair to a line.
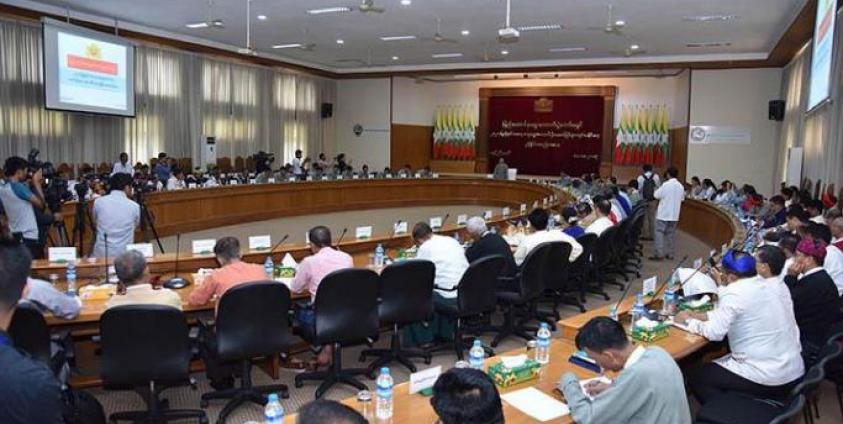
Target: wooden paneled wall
[410,144]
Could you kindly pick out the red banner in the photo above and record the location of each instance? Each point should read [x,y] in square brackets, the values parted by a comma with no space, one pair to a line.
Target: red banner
[93,65]
[546,135]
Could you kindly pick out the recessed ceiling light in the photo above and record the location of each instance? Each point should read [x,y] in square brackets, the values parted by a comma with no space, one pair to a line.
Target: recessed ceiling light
[398,38]
[504,52]
[634,47]
[620,22]
[445,55]
[287,46]
[708,44]
[395,57]
[261,17]
[326,10]
[551,27]
[197,25]
[566,49]
[340,41]
[465,32]
[709,18]
[406,2]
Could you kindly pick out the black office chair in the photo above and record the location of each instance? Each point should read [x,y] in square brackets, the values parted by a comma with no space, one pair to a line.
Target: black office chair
[29,333]
[252,322]
[345,313]
[405,293]
[604,259]
[834,368]
[475,298]
[531,285]
[582,269]
[146,348]
[557,284]
[790,412]
[740,408]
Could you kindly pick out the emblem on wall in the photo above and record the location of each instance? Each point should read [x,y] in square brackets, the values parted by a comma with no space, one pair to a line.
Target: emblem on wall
[543,105]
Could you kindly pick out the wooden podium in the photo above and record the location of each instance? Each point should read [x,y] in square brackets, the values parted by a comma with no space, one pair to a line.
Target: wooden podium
[453,166]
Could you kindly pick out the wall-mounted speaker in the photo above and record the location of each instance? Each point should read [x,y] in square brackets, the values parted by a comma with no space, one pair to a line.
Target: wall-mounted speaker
[776,110]
[327,110]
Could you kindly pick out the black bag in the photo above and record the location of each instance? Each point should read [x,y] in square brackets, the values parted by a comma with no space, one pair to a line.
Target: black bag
[80,407]
[649,189]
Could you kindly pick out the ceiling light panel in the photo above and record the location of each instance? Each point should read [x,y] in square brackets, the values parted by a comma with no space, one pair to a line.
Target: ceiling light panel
[567,49]
[709,18]
[533,28]
[398,38]
[445,55]
[287,46]
[329,10]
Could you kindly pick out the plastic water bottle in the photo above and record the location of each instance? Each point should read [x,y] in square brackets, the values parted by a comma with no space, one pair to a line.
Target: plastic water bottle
[379,254]
[70,275]
[383,409]
[477,356]
[543,344]
[669,302]
[273,413]
[269,267]
[638,310]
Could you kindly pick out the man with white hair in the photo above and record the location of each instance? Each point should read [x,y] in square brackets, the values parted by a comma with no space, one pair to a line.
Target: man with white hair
[486,243]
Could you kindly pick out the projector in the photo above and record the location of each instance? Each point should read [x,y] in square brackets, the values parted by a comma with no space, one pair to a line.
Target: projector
[508,35]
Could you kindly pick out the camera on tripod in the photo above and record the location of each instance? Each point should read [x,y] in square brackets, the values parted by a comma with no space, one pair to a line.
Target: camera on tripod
[55,187]
[263,161]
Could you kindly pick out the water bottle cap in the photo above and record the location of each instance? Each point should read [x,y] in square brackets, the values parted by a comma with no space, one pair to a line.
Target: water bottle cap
[273,397]
[385,370]
[544,325]
[478,343]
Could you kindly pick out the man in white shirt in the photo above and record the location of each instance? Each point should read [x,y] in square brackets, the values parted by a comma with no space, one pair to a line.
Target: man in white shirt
[836,230]
[299,164]
[670,196]
[538,219]
[815,211]
[765,359]
[602,208]
[770,265]
[449,258]
[122,167]
[176,181]
[115,216]
[648,182]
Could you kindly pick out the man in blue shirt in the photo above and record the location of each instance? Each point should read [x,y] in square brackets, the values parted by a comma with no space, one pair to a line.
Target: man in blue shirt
[29,391]
[777,215]
[162,168]
[19,199]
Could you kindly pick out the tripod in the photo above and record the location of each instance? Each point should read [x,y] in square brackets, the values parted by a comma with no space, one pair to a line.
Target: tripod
[147,223]
[82,214]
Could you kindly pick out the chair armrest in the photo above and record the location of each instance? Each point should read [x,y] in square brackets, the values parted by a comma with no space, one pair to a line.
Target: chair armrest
[435,287]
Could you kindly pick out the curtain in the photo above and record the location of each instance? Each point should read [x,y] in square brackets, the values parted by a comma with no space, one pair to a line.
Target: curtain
[819,133]
[179,96]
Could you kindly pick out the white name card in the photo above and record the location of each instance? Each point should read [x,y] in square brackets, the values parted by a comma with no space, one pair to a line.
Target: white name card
[490,176]
[363,233]
[61,254]
[233,182]
[400,228]
[698,263]
[191,185]
[203,247]
[324,178]
[310,178]
[424,379]
[271,180]
[291,179]
[355,177]
[462,219]
[144,248]
[252,181]
[435,175]
[339,177]
[505,211]
[260,242]
[436,222]
[649,286]
[389,176]
[418,175]
[523,208]
[487,215]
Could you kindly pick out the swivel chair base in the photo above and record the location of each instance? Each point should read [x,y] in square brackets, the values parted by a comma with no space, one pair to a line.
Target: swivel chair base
[158,410]
[245,393]
[395,353]
[335,374]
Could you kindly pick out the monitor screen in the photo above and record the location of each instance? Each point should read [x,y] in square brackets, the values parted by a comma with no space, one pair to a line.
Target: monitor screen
[823,53]
[87,71]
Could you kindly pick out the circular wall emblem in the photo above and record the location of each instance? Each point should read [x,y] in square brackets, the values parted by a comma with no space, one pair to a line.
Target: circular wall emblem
[698,134]
[358,129]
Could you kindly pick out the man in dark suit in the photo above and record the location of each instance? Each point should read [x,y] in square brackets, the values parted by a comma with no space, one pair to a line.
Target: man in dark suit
[487,243]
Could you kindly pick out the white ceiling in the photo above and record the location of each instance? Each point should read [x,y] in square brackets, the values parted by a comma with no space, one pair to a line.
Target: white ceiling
[656,25]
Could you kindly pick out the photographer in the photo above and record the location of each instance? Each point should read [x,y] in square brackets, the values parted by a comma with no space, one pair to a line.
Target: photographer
[263,162]
[117,216]
[20,200]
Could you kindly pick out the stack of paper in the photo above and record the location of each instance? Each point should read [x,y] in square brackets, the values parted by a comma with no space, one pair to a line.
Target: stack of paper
[536,404]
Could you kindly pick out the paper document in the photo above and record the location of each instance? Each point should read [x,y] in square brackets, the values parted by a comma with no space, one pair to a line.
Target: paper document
[536,404]
[602,379]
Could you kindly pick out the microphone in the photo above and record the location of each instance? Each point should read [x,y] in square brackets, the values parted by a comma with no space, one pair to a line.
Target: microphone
[664,284]
[709,260]
[344,230]
[445,219]
[105,243]
[280,242]
[395,227]
[176,282]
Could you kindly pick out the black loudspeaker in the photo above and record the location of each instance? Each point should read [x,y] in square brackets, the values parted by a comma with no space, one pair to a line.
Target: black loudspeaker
[327,110]
[776,110]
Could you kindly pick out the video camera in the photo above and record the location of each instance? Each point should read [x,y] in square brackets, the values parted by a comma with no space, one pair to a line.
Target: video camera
[55,188]
[46,168]
[263,161]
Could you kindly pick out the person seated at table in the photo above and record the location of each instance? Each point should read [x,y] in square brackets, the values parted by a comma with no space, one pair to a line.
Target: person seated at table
[776,213]
[501,171]
[764,359]
[46,298]
[465,395]
[449,258]
[176,180]
[770,265]
[586,214]
[602,208]
[232,272]
[632,191]
[833,262]
[328,411]
[648,388]
[815,299]
[538,219]
[364,171]
[486,243]
[133,274]
[570,222]
[815,210]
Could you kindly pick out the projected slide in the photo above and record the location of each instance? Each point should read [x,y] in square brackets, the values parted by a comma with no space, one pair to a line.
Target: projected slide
[91,72]
[823,53]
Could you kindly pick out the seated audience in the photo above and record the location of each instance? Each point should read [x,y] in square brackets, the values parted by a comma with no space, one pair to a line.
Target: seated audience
[770,265]
[570,222]
[486,243]
[464,395]
[795,218]
[833,263]
[328,412]
[538,219]
[815,299]
[632,192]
[46,298]
[449,258]
[777,215]
[708,190]
[696,188]
[602,208]
[29,391]
[133,274]
[648,388]
[725,194]
[764,359]
[837,232]
[788,243]
[586,214]
[232,272]
[815,210]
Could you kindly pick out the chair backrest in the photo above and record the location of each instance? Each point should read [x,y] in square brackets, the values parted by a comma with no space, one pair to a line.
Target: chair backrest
[405,290]
[809,383]
[556,266]
[582,265]
[143,343]
[829,352]
[791,411]
[604,247]
[253,320]
[476,289]
[346,306]
[29,332]
[533,271]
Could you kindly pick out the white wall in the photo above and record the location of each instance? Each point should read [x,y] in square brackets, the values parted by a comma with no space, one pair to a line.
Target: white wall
[365,102]
[736,97]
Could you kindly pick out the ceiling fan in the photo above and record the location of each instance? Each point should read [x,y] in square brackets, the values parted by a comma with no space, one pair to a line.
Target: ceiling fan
[613,26]
[209,22]
[248,50]
[437,36]
[368,6]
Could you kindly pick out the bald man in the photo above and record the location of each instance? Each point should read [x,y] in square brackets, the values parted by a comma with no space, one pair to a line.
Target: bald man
[837,232]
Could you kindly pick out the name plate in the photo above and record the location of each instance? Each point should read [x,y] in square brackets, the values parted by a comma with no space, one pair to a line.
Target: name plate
[487,215]
[310,178]
[252,181]
[418,175]
[61,254]
[400,228]
[339,177]
[424,379]
[523,208]
[191,185]
[649,286]
[435,175]
[271,181]
[388,176]
[698,263]
[462,219]
[324,178]
[355,177]
[144,248]
[234,182]
[260,242]
[436,222]
[363,233]
[291,179]
[505,211]
[203,247]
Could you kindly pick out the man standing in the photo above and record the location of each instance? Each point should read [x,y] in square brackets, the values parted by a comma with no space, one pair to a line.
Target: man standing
[162,168]
[122,167]
[19,199]
[115,217]
[501,170]
[648,182]
[648,389]
[134,276]
[670,196]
